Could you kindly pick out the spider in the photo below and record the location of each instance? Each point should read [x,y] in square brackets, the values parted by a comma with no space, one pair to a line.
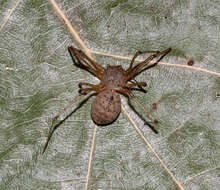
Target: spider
[113,80]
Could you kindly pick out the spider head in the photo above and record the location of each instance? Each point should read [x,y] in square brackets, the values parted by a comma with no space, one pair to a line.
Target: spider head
[114,76]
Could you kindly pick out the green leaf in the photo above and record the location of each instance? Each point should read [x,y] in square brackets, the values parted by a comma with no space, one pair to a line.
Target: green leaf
[38,79]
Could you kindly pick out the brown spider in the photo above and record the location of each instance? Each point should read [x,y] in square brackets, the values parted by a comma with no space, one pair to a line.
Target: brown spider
[113,80]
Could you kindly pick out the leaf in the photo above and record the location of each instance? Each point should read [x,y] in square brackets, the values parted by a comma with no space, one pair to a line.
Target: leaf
[38,79]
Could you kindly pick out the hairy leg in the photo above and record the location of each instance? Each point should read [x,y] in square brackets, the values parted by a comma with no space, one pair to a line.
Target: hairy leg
[52,129]
[135,84]
[136,55]
[92,66]
[93,87]
[142,65]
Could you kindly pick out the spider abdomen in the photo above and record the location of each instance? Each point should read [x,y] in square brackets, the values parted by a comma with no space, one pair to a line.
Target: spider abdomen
[106,107]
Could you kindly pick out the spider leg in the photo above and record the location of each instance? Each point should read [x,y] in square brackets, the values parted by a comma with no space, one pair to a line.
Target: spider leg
[84,91]
[136,55]
[140,87]
[86,84]
[52,128]
[142,65]
[91,65]
[139,84]
[130,94]
[126,92]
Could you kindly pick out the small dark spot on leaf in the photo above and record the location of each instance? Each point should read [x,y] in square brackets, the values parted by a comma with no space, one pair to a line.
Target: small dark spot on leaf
[190,62]
[156,121]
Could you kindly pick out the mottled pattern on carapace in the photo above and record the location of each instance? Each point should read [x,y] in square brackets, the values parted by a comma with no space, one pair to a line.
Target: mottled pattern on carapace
[106,107]
[113,77]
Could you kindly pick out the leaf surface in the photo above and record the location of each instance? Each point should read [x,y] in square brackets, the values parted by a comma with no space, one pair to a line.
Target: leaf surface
[38,79]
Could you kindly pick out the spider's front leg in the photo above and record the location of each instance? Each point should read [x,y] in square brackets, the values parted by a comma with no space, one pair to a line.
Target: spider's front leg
[93,67]
[93,87]
[136,55]
[133,71]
